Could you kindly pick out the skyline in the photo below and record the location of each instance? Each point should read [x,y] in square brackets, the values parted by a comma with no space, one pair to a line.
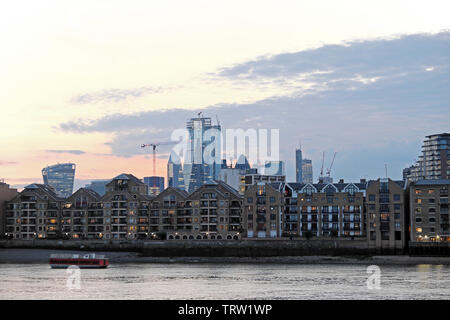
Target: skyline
[79,91]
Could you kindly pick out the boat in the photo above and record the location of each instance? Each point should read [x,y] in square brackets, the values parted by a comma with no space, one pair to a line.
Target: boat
[90,260]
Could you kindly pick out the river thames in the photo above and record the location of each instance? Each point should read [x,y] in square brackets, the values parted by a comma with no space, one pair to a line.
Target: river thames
[224,281]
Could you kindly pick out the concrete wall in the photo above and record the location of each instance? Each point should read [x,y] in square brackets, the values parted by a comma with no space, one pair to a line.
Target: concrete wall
[206,248]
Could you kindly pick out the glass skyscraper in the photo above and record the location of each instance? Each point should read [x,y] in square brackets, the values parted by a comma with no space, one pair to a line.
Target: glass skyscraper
[60,177]
[155,185]
[197,169]
[307,171]
[298,166]
[175,177]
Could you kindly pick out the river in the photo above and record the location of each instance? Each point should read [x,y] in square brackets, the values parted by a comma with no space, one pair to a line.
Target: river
[224,281]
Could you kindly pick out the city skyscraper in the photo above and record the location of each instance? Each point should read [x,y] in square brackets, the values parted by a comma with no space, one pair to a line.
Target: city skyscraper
[175,176]
[155,185]
[307,171]
[433,163]
[60,177]
[197,169]
[298,166]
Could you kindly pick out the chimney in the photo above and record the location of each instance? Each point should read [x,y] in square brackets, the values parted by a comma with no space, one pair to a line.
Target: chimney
[362,180]
[341,180]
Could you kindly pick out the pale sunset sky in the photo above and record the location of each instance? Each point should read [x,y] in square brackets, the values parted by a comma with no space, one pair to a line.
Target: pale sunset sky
[89,81]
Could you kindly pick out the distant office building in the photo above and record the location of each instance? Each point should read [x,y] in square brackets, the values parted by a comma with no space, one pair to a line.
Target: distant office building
[175,176]
[429,210]
[242,163]
[232,176]
[276,168]
[307,171]
[325,179]
[298,166]
[60,177]
[196,170]
[434,162]
[155,184]
[98,186]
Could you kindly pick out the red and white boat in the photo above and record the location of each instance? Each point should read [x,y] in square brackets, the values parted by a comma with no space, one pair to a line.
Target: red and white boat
[90,260]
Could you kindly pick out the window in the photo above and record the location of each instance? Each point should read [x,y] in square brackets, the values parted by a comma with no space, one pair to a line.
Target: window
[371,197]
[396,197]
[418,191]
[272,199]
[418,220]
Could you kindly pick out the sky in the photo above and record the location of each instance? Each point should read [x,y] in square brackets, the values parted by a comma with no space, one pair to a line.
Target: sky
[89,81]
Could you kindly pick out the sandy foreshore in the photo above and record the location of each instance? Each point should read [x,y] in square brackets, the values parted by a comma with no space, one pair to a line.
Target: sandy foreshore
[41,256]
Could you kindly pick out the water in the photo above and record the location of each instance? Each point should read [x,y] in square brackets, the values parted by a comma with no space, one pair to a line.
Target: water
[225,281]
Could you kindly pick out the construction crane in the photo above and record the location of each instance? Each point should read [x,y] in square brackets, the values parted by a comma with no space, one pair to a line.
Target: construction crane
[323,159]
[154,145]
[331,165]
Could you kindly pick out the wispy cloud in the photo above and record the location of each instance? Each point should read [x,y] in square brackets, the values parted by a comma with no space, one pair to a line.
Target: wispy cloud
[77,152]
[7,163]
[117,95]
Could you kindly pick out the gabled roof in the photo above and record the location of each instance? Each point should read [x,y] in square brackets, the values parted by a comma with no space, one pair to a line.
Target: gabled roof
[329,184]
[180,192]
[90,192]
[122,176]
[44,188]
[319,187]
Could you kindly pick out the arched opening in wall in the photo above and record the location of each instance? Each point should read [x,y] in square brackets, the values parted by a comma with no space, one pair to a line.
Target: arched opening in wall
[191,237]
[205,237]
[235,238]
[219,237]
[229,237]
[185,237]
[171,237]
[199,237]
[213,237]
[177,237]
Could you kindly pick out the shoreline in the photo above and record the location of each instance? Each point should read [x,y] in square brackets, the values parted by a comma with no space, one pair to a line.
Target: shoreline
[36,256]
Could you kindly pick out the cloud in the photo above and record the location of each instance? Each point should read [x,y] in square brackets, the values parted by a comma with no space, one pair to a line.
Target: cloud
[7,163]
[77,152]
[357,61]
[379,95]
[116,95]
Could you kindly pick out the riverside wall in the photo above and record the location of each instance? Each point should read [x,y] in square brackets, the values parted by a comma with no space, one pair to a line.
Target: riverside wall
[207,248]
